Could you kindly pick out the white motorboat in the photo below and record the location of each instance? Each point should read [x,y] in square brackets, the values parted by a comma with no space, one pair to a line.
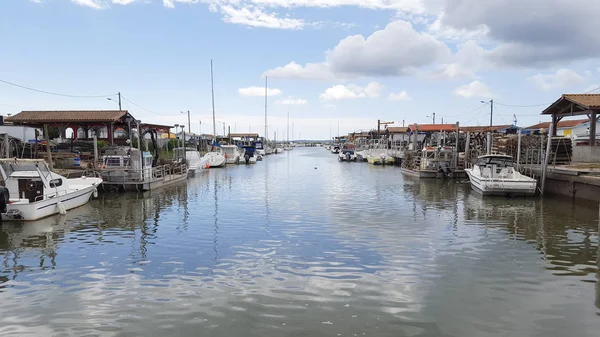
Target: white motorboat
[233,153]
[34,192]
[495,175]
[335,149]
[260,154]
[348,153]
[195,162]
[215,159]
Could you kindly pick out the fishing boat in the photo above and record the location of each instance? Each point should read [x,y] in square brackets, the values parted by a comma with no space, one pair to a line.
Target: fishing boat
[249,149]
[129,169]
[194,161]
[379,157]
[495,175]
[233,154]
[348,153]
[31,191]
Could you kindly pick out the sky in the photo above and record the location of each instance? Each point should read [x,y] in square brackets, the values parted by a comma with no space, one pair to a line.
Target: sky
[331,64]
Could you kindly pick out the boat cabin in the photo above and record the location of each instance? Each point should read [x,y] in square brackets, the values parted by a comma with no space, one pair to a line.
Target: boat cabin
[348,148]
[127,164]
[495,166]
[30,179]
[434,158]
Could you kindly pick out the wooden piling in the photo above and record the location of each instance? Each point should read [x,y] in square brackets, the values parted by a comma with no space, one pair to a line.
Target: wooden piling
[519,149]
[48,151]
[547,157]
[95,150]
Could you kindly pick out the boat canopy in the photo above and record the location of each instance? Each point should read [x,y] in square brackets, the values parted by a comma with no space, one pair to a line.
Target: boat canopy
[498,160]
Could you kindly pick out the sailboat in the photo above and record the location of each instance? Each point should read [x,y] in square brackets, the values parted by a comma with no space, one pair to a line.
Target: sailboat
[216,157]
[288,146]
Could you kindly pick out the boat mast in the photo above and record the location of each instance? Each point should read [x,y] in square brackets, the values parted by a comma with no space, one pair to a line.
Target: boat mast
[266,134]
[288,126]
[212,88]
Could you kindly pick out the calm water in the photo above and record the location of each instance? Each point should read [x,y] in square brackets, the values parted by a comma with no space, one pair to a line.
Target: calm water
[301,245]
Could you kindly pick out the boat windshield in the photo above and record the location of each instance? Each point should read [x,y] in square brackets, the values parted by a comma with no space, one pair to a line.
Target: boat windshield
[229,150]
[10,167]
[498,161]
[116,161]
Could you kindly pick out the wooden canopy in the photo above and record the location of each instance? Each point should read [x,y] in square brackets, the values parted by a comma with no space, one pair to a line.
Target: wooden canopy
[569,105]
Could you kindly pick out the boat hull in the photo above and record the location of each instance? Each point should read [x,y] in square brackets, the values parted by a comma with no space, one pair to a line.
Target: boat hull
[45,208]
[502,186]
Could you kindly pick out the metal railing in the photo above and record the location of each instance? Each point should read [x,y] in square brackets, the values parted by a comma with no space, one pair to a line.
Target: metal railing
[136,176]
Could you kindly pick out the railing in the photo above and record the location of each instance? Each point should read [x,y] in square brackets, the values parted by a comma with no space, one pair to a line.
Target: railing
[132,176]
[50,195]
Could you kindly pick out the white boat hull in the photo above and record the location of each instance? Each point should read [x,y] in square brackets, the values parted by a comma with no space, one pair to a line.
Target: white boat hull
[45,208]
[215,159]
[486,186]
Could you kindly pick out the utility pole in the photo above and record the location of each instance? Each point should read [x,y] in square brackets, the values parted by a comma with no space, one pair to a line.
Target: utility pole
[434,118]
[119,100]
[491,111]
[189,123]
[403,122]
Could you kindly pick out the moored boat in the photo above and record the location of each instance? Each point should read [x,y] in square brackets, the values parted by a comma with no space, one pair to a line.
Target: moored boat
[33,192]
[496,175]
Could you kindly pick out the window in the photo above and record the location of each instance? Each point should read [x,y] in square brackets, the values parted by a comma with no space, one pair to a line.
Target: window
[56,182]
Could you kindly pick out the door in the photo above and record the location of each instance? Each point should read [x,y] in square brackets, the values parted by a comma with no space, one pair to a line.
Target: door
[31,189]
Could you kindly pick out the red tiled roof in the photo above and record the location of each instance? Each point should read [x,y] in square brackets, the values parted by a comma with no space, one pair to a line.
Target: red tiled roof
[397,129]
[67,116]
[561,124]
[432,127]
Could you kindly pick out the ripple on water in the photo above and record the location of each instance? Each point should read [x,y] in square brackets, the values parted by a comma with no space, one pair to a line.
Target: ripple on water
[282,249]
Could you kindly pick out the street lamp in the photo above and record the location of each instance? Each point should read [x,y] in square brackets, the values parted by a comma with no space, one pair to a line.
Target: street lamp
[183,140]
[432,116]
[489,138]
[110,99]
[189,121]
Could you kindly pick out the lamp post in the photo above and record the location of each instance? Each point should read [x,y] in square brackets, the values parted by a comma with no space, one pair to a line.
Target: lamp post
[432,116]
[489,145]
[176,137]
[110,99]
[183,140]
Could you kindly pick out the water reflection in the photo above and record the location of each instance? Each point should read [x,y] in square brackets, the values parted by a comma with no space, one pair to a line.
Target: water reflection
[282,248]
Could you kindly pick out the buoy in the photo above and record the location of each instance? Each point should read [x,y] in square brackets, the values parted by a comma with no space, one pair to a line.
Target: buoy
[95,193]
[315,168]
[61,208]
[207,166]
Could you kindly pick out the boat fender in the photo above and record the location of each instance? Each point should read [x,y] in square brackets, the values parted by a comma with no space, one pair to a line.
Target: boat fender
[4,198]
[61,208]
[95,193]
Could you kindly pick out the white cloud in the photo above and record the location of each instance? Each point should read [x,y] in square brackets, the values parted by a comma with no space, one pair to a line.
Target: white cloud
[258,91]
[465,63]
[95,4]
[561,79]
[255,17]
[473,89]
[168,3]
[123,2]
[396,50]
[352,91]
[401,96]
[36,1]
[562,32]
[292,101]
[310,71]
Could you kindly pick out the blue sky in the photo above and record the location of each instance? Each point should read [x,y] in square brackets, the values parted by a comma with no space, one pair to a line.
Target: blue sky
[350,61]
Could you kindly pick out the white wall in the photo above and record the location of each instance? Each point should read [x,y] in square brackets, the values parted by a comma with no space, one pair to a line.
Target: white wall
[24,133]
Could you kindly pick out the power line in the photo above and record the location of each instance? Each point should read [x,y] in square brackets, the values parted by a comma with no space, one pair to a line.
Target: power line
[522,106]
[141,107]
[54,93]
[466,113]
[587,92]
[477,115]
